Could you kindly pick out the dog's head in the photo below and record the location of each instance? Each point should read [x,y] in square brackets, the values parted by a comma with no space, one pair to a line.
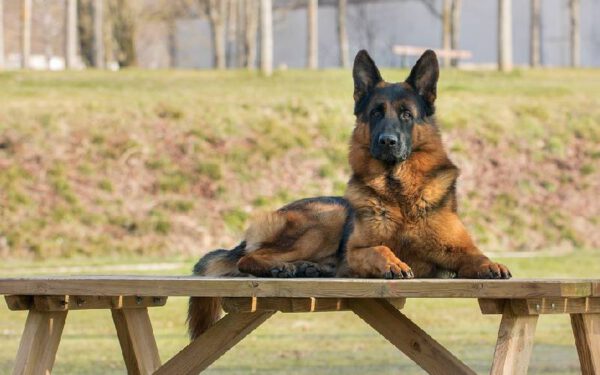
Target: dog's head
[393,111]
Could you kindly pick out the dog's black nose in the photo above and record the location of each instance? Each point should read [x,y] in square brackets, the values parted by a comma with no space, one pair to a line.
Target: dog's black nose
[388,140]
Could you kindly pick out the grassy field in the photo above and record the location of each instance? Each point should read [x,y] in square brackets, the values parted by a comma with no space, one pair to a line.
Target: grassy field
[325,343]
[102,171]
[157,162]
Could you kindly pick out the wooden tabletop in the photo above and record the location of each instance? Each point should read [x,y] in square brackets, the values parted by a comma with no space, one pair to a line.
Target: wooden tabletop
[268,287]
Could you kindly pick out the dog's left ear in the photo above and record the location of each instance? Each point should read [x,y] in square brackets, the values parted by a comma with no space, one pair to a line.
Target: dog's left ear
[423,79]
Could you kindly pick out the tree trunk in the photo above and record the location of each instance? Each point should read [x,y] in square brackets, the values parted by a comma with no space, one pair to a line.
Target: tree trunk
[216,14]
[122,17]
[172,42]
[232,24]
[312,61]
[455,29]
[342,33]
[99,34]
[534,34]
[446,30]
[252,15]
[25,33]
[240,52]
[505,35]
[46,38]
[575,33]
[70,34]
[266,37]
[1,34]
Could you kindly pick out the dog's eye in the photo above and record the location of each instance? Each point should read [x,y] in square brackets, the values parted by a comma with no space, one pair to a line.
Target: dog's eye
[406,115]
[376,114]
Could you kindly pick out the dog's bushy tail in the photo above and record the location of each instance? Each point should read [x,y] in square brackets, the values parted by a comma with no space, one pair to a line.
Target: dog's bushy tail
[203,312]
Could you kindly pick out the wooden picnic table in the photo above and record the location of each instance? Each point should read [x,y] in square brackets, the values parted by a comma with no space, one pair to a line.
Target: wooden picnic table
[251,301]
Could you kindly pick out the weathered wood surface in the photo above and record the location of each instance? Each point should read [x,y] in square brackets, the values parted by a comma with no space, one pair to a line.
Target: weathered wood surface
[267,287]
[514,345]
[67,302]
[546,305]
[292,305]
[39,342]
[136,337]
[586,328]
[408,337]
[213,343]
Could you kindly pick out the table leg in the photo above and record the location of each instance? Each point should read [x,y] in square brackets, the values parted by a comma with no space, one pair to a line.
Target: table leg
[136,337]
[39,343]
[515,342]
[213,343]
[586,328]
[408,337]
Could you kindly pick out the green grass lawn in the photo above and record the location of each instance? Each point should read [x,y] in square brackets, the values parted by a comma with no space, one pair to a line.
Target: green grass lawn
[328,343]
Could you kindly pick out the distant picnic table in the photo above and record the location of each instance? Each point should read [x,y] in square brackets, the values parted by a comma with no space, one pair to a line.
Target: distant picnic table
[405,51]
[251,301]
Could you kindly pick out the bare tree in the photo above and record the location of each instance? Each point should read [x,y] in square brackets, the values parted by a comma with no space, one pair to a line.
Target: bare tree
[575,33]
[240,52]
[455,13]
[122,18]
[534,34]
[232,24]
[343,33]
[266,37]
[99,34]
[252,16]
[70,38]
[505,35]
[216,10]
[446,29]
[312,61]
[85,31]
[1,34]
[25,33]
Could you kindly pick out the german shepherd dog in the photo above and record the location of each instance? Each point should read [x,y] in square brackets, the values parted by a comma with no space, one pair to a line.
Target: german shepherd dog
[397,219]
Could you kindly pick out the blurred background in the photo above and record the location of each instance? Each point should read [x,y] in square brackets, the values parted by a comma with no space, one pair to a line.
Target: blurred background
[137,135]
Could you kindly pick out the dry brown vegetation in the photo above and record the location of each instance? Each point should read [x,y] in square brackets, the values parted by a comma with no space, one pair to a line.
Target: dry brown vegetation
[141,162]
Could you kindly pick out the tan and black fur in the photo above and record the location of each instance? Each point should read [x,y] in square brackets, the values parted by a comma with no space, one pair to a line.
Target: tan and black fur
[398,218]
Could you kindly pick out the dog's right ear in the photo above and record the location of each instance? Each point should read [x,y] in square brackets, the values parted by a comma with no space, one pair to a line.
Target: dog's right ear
[366,76]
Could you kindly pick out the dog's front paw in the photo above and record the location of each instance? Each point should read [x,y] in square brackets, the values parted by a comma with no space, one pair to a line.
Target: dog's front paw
[284,270]
[485,270]
[310,269]
[397,270]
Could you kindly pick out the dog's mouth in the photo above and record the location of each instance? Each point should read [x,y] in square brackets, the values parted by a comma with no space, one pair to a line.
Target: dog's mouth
[391,156]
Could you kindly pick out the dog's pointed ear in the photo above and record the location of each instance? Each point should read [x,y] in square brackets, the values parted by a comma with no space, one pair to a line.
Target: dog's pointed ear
[423,79]
[366,76]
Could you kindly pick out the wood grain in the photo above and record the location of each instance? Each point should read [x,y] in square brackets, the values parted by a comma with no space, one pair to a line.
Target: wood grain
[492,306]
[39,342]
[136,337]
[67,302]
[17,303]
[514,345]
[265,287]
[586,328]
[408,337]
[211,345]
[538,306]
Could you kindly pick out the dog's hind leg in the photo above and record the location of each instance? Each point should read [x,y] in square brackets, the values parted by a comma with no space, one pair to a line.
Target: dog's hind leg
[267,262]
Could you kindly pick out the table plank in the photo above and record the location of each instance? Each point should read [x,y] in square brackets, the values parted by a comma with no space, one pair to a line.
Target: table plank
[267,287]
